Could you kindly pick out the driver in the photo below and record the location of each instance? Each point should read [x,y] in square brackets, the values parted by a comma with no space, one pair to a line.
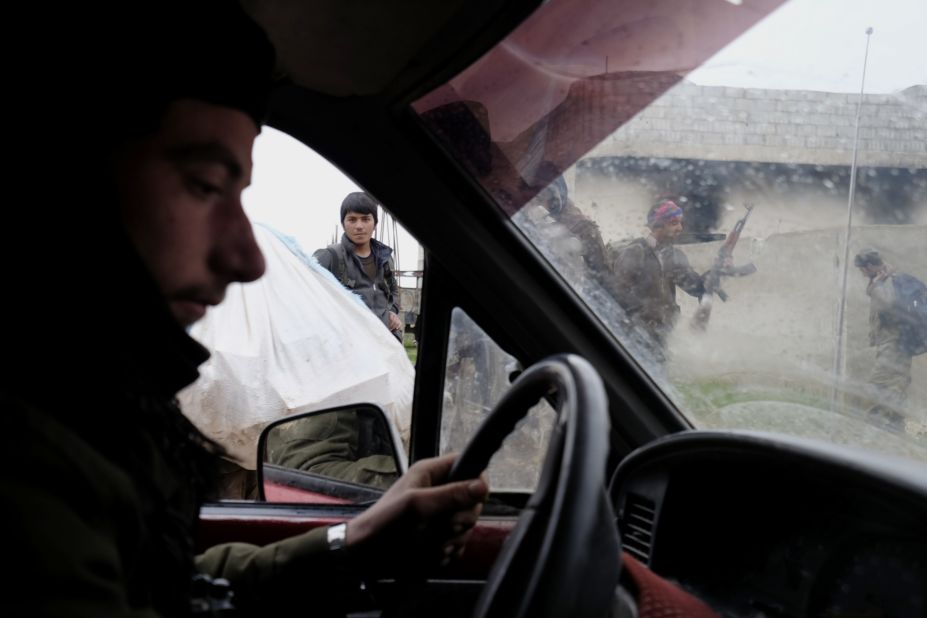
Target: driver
[152,125]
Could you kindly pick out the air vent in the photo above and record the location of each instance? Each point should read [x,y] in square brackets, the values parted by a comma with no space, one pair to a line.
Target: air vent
[636,526]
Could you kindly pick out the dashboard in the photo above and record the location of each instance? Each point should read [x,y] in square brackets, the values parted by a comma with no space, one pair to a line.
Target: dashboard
[763,525]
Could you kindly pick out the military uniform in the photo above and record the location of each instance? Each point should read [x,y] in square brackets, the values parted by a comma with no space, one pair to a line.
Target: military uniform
[587,231]
[571,240]
[646,277]
[338,445]
[891,373]
[102,478]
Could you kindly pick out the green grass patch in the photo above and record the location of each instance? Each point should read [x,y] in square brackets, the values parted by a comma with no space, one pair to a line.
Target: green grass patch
[707,396]
[408,343]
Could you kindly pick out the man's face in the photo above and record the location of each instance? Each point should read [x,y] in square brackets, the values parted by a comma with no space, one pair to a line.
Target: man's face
[180,200]
[869,271]
[359,227]
[668,231]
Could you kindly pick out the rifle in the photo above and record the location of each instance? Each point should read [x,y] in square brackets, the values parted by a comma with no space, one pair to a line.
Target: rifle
[722,266]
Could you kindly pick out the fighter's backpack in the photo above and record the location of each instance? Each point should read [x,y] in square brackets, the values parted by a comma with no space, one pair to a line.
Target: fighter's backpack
[911,305]
[338,268]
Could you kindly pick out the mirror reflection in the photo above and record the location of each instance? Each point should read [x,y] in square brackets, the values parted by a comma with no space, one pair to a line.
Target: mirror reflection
[338,455]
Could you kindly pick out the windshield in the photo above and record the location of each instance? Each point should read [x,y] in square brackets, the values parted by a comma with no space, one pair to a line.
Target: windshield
[737,189]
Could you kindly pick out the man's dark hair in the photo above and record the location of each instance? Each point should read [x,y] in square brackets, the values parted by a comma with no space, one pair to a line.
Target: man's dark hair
[868,257]
[361,203]
[208,50]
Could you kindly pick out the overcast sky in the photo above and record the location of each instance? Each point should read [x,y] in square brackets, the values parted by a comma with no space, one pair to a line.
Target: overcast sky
[806,44]
[820,45]
[299,193]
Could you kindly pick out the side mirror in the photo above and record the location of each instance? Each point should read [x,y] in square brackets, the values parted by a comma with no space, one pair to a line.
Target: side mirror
[343,455]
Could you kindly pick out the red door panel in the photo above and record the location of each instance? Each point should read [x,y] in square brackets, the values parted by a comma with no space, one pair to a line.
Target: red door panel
[261,524]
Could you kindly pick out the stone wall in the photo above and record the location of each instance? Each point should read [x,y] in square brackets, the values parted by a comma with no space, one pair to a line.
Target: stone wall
[790,126]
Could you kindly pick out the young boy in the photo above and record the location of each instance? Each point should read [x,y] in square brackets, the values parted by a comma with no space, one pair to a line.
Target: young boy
[363,264]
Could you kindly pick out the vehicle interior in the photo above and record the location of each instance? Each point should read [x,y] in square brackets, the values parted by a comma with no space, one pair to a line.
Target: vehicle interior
[752,518]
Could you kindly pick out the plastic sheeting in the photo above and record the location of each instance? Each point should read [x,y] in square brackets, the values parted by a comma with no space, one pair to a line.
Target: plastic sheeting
[293,341]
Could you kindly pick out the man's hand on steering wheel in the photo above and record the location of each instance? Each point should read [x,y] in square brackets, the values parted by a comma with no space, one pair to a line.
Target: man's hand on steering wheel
[418,518]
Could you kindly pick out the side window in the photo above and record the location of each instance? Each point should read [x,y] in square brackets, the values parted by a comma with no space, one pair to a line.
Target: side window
[318,331]
[477,375]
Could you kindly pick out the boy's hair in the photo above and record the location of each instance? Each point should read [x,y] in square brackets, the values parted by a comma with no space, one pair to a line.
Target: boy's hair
[361,203]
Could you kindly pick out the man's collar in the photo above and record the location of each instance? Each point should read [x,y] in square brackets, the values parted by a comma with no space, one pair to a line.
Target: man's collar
[381,251]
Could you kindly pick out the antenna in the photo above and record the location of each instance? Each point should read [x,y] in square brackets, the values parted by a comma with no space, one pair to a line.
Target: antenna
[839,356]
[388,233]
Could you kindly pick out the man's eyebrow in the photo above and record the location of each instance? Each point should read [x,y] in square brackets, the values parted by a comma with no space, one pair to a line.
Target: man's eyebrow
[207,152]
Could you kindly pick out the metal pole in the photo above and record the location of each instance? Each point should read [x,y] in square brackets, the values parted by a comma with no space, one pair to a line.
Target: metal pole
[839,360]
[396,241]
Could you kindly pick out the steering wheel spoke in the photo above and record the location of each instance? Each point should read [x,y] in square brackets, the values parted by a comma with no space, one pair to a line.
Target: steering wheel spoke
[563,557]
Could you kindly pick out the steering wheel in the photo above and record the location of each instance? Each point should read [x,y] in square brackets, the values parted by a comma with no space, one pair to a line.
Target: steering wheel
[563,556]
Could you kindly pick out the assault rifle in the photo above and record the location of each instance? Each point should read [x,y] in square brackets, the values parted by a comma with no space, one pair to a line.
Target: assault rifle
[723,266]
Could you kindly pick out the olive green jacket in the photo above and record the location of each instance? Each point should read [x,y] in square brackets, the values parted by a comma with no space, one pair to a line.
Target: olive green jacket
[76,526]
[646,279]
[334,445]
[884,326]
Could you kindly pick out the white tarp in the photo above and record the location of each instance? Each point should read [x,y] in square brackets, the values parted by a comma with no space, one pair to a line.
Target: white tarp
[293,341]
